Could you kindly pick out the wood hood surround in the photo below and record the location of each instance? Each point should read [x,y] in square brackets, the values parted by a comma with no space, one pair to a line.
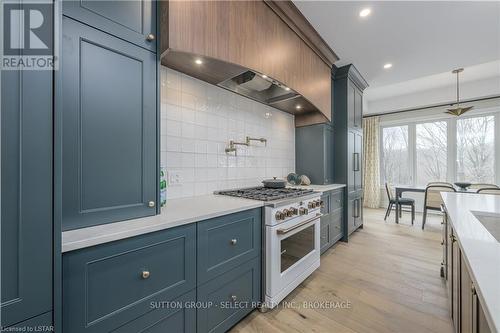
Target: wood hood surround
[268,37]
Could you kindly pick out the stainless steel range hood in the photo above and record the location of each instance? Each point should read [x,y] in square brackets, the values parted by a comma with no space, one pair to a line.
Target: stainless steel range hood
[258,87]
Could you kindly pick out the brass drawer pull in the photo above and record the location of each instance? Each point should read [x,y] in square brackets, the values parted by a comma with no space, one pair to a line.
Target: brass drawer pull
[145,274]
[234,241]
[150,37]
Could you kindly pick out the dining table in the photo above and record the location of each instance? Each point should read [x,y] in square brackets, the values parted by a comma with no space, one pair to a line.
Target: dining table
[400,189]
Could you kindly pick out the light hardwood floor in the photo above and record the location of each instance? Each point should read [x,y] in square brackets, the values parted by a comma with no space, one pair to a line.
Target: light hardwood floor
[388,274]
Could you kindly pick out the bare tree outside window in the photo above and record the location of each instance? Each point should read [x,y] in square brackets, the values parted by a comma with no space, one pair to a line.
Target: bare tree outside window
[431,144]
[476,149]
[396,155]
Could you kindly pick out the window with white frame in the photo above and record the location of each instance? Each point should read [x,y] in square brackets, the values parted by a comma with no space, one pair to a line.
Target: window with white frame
[476,149]
[431,149]
[451,149]
[395,154]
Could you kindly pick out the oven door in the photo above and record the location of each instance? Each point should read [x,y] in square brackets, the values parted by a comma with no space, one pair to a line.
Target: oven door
[293,247]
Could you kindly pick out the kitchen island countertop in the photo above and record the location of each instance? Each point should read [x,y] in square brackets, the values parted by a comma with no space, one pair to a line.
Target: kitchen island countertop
[480,249]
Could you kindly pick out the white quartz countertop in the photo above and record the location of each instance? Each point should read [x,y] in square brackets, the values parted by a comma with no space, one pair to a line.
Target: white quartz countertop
[320,188]
[175,213]
[480,249]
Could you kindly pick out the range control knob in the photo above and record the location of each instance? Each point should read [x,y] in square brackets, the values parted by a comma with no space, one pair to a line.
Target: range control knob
[279,216]
[303,211]
[294,210]
[289,212]
[286,212]
[318,203]
[310,204]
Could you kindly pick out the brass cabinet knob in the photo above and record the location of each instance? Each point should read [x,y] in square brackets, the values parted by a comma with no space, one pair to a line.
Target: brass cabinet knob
[234,241]
[151,204]
[442,242]
[150,37]
[145,274]
[234,298]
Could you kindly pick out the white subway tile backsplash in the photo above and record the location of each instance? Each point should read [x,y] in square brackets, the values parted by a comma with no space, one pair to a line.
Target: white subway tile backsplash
[197,122]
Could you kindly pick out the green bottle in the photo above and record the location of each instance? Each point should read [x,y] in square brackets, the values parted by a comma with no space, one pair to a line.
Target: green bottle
[163,187]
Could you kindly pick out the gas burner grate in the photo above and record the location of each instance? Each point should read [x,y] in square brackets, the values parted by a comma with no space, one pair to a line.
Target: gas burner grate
[266,194]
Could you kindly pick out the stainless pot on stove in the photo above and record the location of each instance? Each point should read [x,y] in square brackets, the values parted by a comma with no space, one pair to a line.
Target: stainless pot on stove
[274,183]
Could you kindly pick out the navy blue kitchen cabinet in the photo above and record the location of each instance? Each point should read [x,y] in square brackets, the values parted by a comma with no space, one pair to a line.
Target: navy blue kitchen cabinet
[177,316]
[314,152]
[133,21]
[230,296]
[26,209]
[332,228]
[107,286]
[40,323]
[232,240]
[109,128]
[149,282]
[348,89]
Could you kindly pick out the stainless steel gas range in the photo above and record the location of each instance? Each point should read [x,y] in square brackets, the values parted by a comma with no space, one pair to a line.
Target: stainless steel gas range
[291,238]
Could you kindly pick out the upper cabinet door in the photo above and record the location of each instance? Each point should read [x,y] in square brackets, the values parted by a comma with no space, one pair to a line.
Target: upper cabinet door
[351,90]
[26,213]
[358,161]
[131,20]
[351,161]
[358,108]
[109,128]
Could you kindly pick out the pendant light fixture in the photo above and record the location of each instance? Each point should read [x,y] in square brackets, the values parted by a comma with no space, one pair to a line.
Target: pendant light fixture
[458,110]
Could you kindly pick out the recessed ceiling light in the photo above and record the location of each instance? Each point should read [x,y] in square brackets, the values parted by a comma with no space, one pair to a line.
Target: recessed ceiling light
[286,88]
[298,106]
[264,76]
[198,61]
[365,12]
[388,65]
[268,115]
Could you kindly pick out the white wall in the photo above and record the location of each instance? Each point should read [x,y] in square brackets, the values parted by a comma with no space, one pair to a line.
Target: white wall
[197,122]
[438,95]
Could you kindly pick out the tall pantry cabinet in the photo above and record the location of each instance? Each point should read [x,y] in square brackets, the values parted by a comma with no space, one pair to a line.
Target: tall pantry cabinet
[348,141]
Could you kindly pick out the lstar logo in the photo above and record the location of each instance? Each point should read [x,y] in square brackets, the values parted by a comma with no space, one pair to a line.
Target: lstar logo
[28,37]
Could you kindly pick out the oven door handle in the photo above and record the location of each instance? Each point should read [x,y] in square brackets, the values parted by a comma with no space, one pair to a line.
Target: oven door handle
[287,230]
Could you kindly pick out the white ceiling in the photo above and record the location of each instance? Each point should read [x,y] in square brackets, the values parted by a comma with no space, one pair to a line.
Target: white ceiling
[420,38]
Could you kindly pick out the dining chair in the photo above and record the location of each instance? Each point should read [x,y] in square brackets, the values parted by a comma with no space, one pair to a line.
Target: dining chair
[433,200]
[440,184]
[492,190]
[398,203]
[479,186]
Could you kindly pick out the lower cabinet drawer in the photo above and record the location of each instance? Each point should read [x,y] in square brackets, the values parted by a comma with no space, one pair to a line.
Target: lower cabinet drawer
[229,297]
[107,286]
[41,323]
[337,199]
[325,233]
[336,230]
[228,241]
[177,316]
